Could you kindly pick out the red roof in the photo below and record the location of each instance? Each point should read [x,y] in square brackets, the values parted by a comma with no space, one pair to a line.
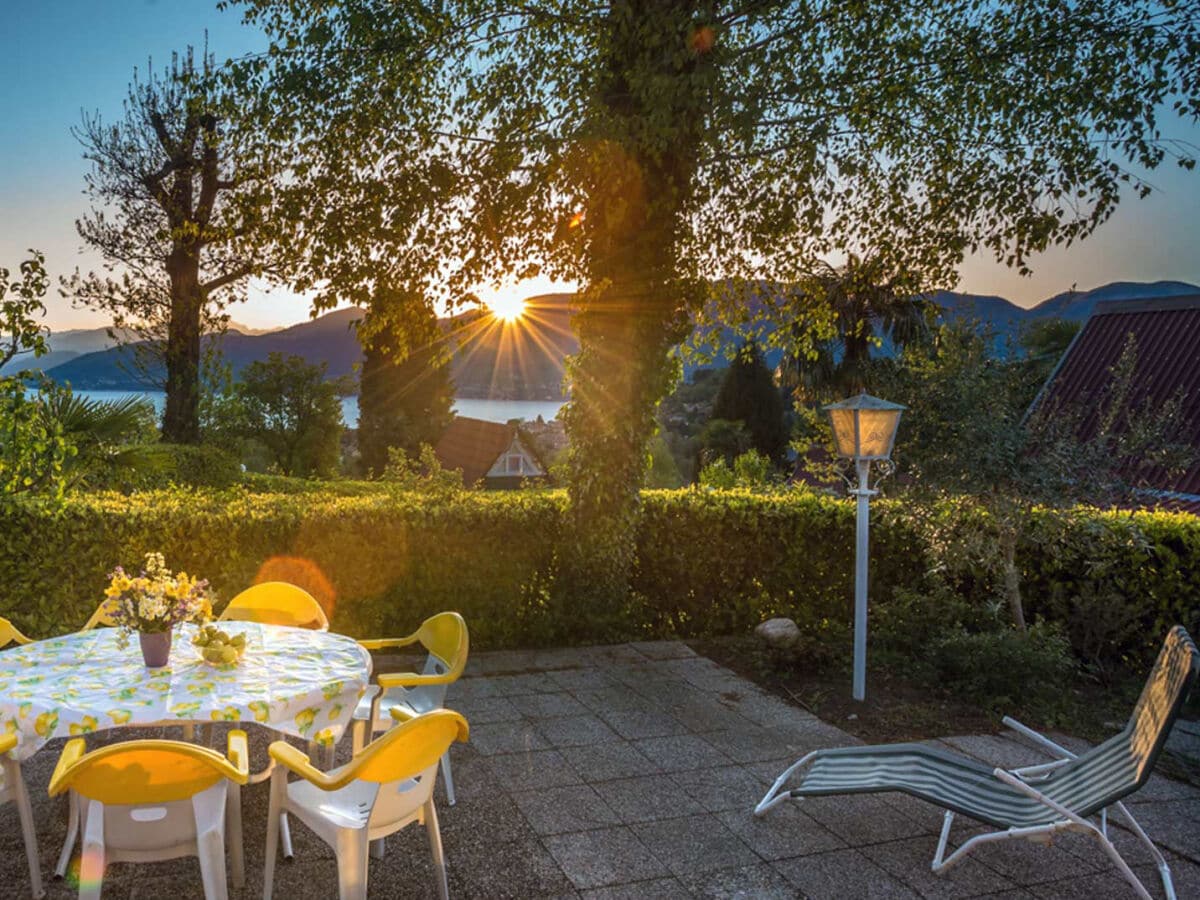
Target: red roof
[1167,332]
[472,445]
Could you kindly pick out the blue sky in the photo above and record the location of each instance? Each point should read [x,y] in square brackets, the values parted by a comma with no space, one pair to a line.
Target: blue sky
[64,56]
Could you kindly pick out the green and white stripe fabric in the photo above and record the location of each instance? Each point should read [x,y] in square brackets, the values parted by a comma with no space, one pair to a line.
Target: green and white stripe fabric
[1085,785]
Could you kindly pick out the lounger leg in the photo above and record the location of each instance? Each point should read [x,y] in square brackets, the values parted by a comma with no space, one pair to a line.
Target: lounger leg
[1119,861]
[773,797]
[1164,870]
[449,777]
[947,822]
[64,858]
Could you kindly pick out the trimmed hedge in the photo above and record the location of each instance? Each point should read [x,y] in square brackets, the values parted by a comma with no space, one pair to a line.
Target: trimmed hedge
[709,562]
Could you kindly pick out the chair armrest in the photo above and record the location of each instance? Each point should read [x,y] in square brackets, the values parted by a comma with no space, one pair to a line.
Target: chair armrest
[402,715]
[238,752]
[7,742]
[71,754]
[385,643]
[412,679]
[296,761]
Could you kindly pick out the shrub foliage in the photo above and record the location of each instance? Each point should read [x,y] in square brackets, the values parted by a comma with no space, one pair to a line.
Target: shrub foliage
[708,562]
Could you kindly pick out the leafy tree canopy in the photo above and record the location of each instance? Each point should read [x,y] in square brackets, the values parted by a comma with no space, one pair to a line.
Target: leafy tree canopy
[748,394]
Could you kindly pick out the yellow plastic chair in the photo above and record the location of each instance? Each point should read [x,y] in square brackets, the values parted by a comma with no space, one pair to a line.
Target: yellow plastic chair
[12,788]
[102,617]
[145,801]
[403,695]
[383,789]
[277,603]
[10,634]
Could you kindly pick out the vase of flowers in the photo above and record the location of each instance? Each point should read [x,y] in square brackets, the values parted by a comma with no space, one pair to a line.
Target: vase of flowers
[152,603]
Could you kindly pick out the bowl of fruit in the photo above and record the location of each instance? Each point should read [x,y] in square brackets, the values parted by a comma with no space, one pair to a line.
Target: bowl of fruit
[217,648]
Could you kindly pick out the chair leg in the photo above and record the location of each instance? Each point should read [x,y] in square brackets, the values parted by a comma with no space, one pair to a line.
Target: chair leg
[285,836]
[210,848]
[233,826]
[64,858]
[947,822]
[448,776]
[435,847]
[91,863]
[189,731]
[12,771]
[1122,866]
[358,736]
[377,849]
[351,851]
[274,815]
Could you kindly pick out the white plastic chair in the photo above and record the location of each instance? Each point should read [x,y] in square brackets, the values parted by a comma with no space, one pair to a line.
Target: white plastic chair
[399,696]
[381,790]
[145,801]
[13,789]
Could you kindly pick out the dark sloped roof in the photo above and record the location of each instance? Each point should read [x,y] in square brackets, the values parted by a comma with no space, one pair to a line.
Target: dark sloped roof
[1167,332]
[472,445]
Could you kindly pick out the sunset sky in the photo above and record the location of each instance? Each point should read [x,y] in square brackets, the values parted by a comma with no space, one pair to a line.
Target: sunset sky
[64,56]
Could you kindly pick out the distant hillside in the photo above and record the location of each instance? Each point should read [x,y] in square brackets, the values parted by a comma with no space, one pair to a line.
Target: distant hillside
[525,361]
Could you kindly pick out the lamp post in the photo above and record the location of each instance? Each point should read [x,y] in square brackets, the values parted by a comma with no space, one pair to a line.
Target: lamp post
[864,429]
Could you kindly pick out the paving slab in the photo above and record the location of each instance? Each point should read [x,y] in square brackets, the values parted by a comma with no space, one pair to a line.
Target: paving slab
[631,771]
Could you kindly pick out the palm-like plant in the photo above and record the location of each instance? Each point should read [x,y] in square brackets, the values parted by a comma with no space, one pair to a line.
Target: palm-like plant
[109,436]
[871,301]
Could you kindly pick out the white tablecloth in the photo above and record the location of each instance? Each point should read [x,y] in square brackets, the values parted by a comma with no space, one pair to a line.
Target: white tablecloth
[299,682]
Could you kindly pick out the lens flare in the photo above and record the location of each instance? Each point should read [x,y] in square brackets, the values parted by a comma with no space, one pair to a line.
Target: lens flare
[507,308]
[302,572]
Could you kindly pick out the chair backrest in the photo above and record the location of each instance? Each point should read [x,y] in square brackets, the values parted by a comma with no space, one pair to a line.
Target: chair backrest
[138,772]
[403,762]
[448,643]
[1123,763]
[102,617]
[277,603]
[9,634]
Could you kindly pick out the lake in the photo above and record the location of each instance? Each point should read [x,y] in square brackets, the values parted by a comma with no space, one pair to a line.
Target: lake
[488,410]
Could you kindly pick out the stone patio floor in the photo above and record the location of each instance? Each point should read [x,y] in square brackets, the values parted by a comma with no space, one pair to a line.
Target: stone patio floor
[631,771]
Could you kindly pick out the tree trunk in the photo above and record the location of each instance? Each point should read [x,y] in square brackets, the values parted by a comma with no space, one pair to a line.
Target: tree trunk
[181,418]
[634,308]
[1012,580]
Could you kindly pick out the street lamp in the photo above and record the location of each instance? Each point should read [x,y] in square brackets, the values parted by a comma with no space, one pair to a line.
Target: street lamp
[864,429]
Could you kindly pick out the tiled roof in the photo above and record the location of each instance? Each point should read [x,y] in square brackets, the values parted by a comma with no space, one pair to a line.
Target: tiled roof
[472,445]
[1167,333]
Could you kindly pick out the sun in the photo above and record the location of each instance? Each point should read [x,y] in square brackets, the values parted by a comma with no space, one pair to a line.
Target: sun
[507,307]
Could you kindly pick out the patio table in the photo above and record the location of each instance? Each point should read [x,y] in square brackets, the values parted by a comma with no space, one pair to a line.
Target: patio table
[296,681]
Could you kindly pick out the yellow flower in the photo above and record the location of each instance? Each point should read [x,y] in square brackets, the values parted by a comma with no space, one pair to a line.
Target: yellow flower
[260,709]
[324,737]
[228,714]
[120,716]
[305,719]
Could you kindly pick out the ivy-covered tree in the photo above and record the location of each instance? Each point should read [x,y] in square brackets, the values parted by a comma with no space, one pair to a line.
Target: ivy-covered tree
[405,392]
[748,394]
[651,150]
[176,201]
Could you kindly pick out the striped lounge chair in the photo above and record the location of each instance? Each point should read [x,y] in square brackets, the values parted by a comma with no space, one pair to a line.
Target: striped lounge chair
[1073,793]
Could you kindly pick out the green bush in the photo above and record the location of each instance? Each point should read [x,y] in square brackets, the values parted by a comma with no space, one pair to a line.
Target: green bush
[202,466]
[708,563]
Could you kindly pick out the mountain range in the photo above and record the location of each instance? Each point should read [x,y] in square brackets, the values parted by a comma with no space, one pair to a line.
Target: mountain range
[512,361]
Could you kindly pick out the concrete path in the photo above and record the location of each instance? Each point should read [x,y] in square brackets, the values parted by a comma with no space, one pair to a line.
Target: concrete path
[630,772]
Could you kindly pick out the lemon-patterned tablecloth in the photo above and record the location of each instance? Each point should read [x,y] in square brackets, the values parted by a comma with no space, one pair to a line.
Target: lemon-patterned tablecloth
[299,682]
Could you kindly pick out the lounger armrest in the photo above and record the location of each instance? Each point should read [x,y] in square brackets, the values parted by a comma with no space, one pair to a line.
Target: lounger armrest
[1037,738]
